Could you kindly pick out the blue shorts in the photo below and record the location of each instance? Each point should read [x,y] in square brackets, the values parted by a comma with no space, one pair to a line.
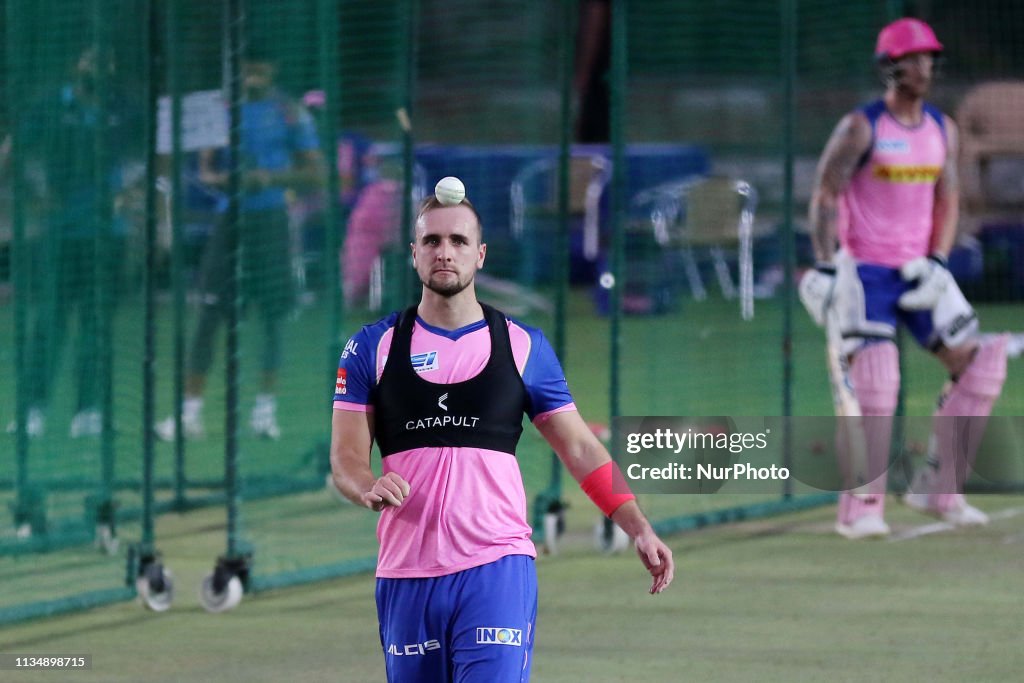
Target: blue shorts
[474,626]
[883,287]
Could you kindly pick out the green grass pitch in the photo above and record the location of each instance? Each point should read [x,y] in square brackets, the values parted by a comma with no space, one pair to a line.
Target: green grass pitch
[780,599]
[773,600]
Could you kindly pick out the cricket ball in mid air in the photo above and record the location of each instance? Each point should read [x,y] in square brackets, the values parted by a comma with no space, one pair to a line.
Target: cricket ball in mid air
[449,191]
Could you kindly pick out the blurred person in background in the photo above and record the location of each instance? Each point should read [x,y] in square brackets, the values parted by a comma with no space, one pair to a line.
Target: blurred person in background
[279,152]
[78,144]
[374,226]
[370,191]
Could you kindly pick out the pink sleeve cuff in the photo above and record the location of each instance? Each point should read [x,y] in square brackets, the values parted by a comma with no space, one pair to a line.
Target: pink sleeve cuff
[541,418]
[352,407]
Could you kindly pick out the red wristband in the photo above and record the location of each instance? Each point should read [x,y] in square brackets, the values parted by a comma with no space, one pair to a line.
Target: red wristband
[607,488]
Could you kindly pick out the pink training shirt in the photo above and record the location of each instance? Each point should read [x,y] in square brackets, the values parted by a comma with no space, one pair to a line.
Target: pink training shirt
[466,506]
[885,214]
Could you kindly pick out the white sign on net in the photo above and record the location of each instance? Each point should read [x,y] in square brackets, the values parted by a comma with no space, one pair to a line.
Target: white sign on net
[204,121]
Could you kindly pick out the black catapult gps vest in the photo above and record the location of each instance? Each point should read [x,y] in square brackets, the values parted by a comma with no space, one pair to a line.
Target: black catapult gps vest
[485,411]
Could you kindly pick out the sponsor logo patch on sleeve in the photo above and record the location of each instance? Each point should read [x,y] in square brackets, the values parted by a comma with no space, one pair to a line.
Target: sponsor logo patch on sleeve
[341,386]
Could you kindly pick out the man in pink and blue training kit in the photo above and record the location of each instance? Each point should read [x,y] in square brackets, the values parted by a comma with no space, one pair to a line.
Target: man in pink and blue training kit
[469,506]
[887,188]
[442,387]
[491,503]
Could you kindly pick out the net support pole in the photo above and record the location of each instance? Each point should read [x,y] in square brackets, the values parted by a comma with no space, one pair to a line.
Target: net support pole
[567,55]
[895,10]
[173,67]
[149,287]
[789,83]
[549,501]
[334,220]
[103,243]
[20,264]
[235,49]
[620,179]
[405,117]
[619,182]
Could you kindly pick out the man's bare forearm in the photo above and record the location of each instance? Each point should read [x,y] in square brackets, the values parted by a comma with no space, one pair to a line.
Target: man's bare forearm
[352,482]
[824,213]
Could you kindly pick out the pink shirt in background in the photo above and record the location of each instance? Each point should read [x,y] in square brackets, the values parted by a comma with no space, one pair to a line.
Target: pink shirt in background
[885,214]
[372,226]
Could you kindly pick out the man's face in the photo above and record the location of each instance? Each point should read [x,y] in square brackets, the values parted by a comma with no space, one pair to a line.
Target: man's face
[257,77]
[914,73]
[447,251]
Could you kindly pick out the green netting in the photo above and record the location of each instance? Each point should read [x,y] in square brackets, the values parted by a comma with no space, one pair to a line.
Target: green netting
[73,319]
[268,413]
[371,92]
[725,77]
[709,103]
[714,75]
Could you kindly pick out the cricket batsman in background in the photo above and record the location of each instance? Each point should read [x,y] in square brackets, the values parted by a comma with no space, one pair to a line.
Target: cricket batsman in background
[887,190]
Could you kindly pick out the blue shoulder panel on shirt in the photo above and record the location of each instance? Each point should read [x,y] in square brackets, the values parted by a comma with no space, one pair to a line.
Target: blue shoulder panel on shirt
[543,374]
[872,111]
[934,112]
[358,361]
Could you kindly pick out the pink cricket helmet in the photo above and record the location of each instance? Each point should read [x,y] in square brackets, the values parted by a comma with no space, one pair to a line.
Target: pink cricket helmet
[905,36]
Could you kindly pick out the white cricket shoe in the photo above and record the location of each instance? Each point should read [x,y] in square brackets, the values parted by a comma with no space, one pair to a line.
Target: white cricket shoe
[1015,346]
[965,514]
[88,422]
[961,513]
[191,424]
[866,526]
[263,420]
[35,424]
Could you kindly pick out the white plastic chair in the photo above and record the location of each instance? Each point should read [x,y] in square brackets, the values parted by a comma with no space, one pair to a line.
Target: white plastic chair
[712,213]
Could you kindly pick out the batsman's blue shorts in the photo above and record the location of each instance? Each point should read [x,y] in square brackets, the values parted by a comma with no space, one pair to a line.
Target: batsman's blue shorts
[883,288]
[472,626]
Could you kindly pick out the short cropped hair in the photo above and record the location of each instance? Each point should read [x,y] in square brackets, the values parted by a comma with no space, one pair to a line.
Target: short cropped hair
[431,202]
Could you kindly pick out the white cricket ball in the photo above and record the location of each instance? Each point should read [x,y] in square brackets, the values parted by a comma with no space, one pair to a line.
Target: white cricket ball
[449,190]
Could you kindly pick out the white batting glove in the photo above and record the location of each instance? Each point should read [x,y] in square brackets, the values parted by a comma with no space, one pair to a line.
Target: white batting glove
[816,289]
[932,276]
